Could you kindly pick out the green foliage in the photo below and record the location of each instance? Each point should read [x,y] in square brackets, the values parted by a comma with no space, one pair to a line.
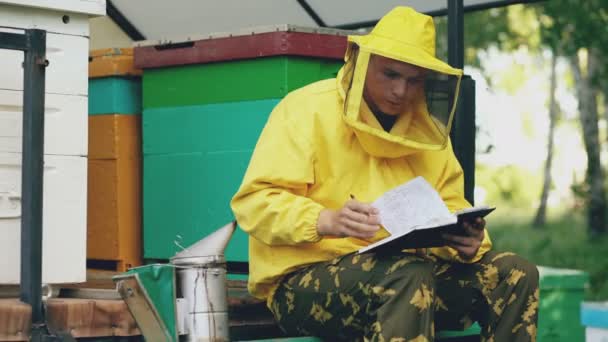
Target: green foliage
[512,78]
[494,27]
[441,37]
[527,126]
[484,29]
[524,28]
[566,27]
[507,28]
[563,243]
[580,192]
[509,186]
[569,25]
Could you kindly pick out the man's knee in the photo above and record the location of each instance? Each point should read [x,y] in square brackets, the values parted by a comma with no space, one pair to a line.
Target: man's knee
[517,270]
[414,275]
[406,290]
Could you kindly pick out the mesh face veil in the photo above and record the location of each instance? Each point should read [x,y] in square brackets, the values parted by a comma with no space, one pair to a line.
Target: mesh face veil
[426,117]
[406,39]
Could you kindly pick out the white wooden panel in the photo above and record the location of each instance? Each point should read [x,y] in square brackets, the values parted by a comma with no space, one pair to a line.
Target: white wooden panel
[164,20]
[105,33]
[65,123]
[50,21]
[92,7]
[67,72]
[596,335]
[64,219]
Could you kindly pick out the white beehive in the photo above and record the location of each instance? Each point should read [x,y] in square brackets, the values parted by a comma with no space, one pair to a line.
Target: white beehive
[66,65]
[66,126]
[64,218]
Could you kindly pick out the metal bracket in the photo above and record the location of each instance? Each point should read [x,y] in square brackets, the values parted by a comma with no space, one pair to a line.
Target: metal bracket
[145,314]
[33,44]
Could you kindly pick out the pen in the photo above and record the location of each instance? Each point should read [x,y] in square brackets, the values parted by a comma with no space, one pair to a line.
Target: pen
[353,198]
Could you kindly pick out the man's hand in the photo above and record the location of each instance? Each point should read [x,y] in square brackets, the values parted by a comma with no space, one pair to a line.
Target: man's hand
[355,219]
[467,246]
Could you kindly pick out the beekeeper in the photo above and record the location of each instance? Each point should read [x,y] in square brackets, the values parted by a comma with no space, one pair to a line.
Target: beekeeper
[384,120]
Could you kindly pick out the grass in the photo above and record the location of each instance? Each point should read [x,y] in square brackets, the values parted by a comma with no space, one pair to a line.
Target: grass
[563,242]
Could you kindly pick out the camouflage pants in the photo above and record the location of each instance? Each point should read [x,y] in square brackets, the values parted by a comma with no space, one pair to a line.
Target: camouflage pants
[405,297]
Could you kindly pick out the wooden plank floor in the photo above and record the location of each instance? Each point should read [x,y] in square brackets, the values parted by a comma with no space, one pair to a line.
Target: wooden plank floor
[15,320]
[86,317]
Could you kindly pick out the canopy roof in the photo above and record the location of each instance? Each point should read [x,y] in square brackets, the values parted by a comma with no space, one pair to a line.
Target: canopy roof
[161,20]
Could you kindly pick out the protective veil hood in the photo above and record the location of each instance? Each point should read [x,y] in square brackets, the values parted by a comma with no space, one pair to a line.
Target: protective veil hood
[407,36]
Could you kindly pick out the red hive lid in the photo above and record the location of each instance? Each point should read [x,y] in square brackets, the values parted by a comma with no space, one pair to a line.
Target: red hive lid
[285,40]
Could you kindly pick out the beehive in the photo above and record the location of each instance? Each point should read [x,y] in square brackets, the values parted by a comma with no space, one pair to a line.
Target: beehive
[114,173]
[65,141]
[205,103]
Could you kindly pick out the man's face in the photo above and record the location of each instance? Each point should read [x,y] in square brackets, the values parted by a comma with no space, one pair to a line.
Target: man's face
[391,85]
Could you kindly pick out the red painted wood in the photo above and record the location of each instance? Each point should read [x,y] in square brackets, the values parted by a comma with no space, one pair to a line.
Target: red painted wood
[242,47]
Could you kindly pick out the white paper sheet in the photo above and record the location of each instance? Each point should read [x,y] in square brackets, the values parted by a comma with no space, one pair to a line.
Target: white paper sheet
[416,205]
[413,205]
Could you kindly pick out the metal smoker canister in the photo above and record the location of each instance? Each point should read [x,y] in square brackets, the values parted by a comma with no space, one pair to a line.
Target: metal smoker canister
[201,271]
[203,286]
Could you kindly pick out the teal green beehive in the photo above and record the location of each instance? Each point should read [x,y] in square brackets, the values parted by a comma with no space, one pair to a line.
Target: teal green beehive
[114,95]
[191,175]
[186,196]
[253,79]
[561,294]
[204,105]
[213,128]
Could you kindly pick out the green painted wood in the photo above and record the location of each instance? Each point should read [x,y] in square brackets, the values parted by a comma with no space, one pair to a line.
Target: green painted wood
[159,282]
[561,293]
[209,128]
[254,79]
[187,197]
[194,161]
[473,330]
[560,278]
[230,276]
[114,95]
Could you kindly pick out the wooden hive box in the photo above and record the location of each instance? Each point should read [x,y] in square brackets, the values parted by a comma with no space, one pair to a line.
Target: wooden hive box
[114,173]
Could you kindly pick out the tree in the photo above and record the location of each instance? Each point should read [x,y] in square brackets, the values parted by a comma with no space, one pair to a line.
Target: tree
[568,28]
[511,28]
[574,28]
[594,178]
[541,213]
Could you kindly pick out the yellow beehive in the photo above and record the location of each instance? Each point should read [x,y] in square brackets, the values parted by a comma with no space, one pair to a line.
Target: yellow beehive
[112,62]
[114,190]
[114,232]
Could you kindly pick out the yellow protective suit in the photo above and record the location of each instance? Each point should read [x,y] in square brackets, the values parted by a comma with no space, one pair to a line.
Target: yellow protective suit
[313,153]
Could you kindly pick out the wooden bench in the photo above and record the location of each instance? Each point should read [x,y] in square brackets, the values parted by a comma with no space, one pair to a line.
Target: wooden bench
[84,318]
[250,319]
[110,320]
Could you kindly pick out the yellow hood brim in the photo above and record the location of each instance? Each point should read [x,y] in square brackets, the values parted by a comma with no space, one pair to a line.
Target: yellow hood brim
[401,51]
[396,143]
[407,36]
